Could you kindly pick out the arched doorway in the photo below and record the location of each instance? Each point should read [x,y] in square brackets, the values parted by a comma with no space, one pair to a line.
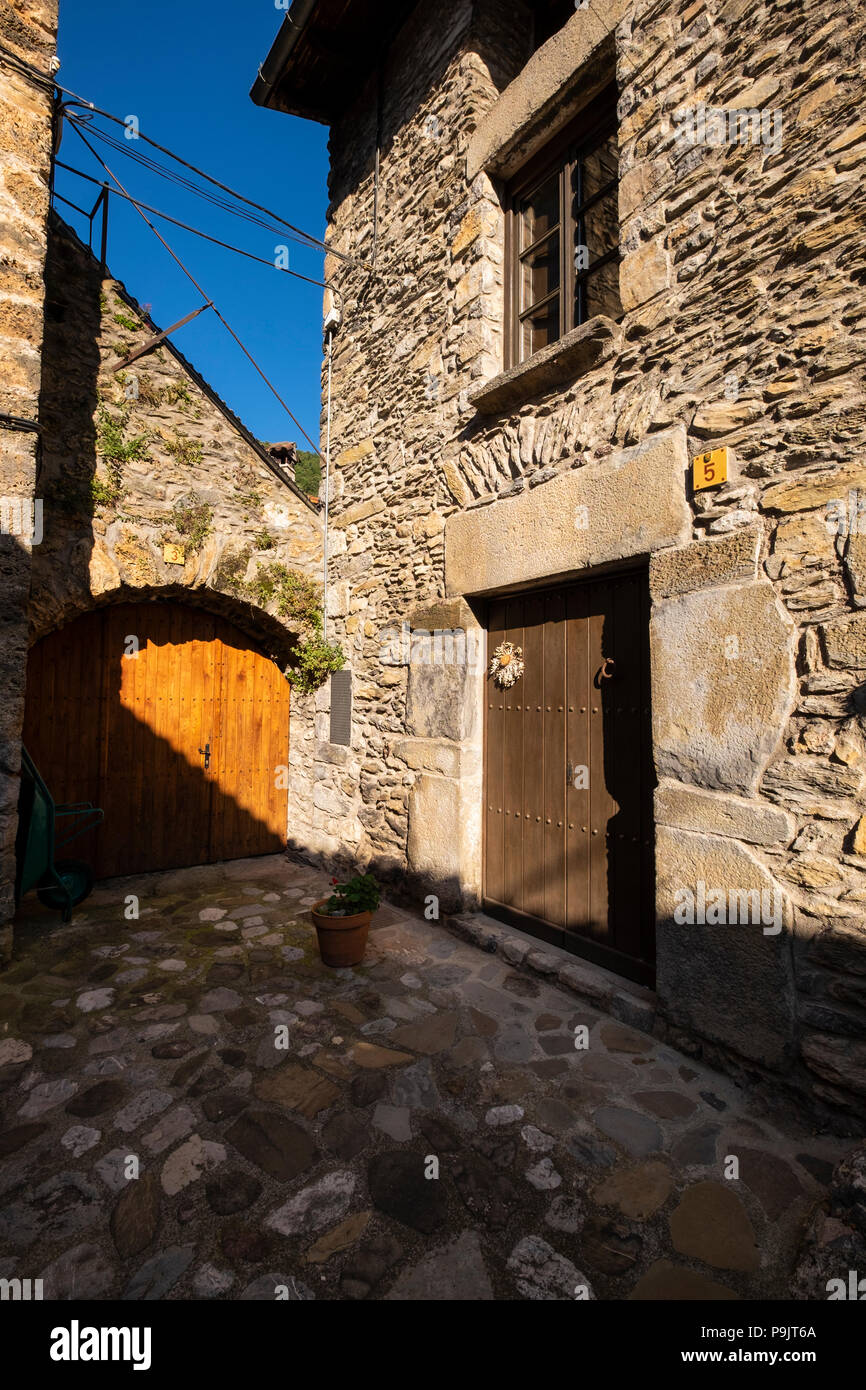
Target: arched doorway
[170,720]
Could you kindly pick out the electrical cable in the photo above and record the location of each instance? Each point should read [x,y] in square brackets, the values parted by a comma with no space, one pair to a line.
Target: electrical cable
[136,202]
[50,84]
[153,166]
[327,496]
[18,422]
[188,273]
[307,237]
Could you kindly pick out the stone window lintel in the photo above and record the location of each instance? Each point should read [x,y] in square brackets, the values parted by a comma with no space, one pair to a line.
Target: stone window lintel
[560,78]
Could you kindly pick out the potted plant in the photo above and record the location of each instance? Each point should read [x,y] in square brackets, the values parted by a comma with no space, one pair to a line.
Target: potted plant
[342,921]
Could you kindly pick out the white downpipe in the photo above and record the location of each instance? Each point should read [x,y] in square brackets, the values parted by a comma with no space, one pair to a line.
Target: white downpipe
[327,493]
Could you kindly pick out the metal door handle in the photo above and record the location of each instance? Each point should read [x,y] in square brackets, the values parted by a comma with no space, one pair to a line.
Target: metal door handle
[206,752]
[606,672]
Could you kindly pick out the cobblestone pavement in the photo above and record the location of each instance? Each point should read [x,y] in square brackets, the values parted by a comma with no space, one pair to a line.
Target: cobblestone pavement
[308,1172]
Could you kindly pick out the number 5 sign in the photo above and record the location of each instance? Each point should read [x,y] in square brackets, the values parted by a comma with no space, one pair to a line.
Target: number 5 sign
[709,470]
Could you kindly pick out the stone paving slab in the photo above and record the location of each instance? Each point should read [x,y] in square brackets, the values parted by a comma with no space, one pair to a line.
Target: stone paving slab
[438,1125]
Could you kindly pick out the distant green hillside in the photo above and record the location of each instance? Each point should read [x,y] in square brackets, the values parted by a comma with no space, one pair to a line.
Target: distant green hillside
[308,472]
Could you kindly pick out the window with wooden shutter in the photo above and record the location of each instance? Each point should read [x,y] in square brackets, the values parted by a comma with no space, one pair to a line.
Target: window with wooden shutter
[562,234]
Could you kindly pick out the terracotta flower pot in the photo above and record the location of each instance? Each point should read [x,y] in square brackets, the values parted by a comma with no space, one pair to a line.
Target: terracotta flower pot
[342,940]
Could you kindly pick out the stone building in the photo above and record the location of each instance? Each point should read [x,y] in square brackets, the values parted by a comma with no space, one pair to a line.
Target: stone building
[159,567]
[29,30]
[590,245]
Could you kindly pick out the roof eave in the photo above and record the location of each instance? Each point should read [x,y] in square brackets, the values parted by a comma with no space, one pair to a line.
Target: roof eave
[272,69]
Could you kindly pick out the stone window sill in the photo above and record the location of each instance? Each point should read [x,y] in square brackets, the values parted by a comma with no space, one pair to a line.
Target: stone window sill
[580,350]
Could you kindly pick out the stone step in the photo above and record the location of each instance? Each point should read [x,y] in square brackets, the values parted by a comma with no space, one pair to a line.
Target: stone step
[629,1003]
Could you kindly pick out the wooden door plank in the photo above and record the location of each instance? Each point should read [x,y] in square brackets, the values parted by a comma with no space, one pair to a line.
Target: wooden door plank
[174,693]
[578,918]
[512,790]
[534,753]
[206,710]
[554,758]
[279,743]
[625,755]
[125,754]
[494,838]
[598,633]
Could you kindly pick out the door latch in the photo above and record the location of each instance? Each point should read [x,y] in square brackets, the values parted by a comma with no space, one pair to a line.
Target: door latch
[606,672]
[206,752]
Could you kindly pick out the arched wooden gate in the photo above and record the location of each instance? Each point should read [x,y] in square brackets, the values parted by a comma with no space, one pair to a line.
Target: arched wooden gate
[166,717]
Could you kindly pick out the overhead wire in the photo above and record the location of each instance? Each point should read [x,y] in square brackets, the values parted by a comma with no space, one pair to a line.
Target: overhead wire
[228,246]
[50,85]
[307,237]
[154,166]
[205,296]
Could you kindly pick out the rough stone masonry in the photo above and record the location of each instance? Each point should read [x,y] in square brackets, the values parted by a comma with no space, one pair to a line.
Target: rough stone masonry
[741,280]
[28,28]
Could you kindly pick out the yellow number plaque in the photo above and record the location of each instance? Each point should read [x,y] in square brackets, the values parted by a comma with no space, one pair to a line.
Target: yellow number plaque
[173,554]
[709,470]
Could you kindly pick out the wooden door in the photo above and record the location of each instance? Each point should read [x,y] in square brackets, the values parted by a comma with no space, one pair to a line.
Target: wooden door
[568,772]
[167,718]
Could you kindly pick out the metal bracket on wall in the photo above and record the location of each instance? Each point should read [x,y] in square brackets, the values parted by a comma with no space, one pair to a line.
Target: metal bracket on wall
[160,337]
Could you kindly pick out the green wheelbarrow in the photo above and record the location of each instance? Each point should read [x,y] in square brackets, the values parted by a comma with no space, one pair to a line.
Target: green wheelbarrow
[60,883]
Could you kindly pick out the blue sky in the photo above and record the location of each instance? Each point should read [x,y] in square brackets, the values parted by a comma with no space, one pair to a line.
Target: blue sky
[184,69]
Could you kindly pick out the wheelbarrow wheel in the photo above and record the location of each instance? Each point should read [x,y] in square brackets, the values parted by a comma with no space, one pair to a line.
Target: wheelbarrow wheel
[77,879]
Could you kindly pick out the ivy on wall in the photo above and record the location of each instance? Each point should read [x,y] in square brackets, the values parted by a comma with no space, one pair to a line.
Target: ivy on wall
[296,598]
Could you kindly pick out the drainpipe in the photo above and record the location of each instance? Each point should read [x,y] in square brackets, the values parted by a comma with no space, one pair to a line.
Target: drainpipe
[283,46]
[333,319]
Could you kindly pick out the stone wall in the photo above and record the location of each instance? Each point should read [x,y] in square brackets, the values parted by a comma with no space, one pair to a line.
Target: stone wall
[28,28]
[742,283]
[196,480]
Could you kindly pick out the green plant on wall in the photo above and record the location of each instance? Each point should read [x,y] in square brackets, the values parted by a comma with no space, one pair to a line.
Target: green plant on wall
[299,600]
[148,394]
[192,519]
[313,661]
[188,452]
[115,450]
[229,573]
[177,393]
[126,322]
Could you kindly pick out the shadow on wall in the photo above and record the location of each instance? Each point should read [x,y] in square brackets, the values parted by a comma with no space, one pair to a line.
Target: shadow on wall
[182,744]
[67,411]
[486,28]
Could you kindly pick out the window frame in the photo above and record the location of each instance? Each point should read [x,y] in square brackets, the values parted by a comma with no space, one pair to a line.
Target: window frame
[561,157]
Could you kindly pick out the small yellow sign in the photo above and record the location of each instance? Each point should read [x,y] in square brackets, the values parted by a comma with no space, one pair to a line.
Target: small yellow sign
[173,554]
[709,470]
